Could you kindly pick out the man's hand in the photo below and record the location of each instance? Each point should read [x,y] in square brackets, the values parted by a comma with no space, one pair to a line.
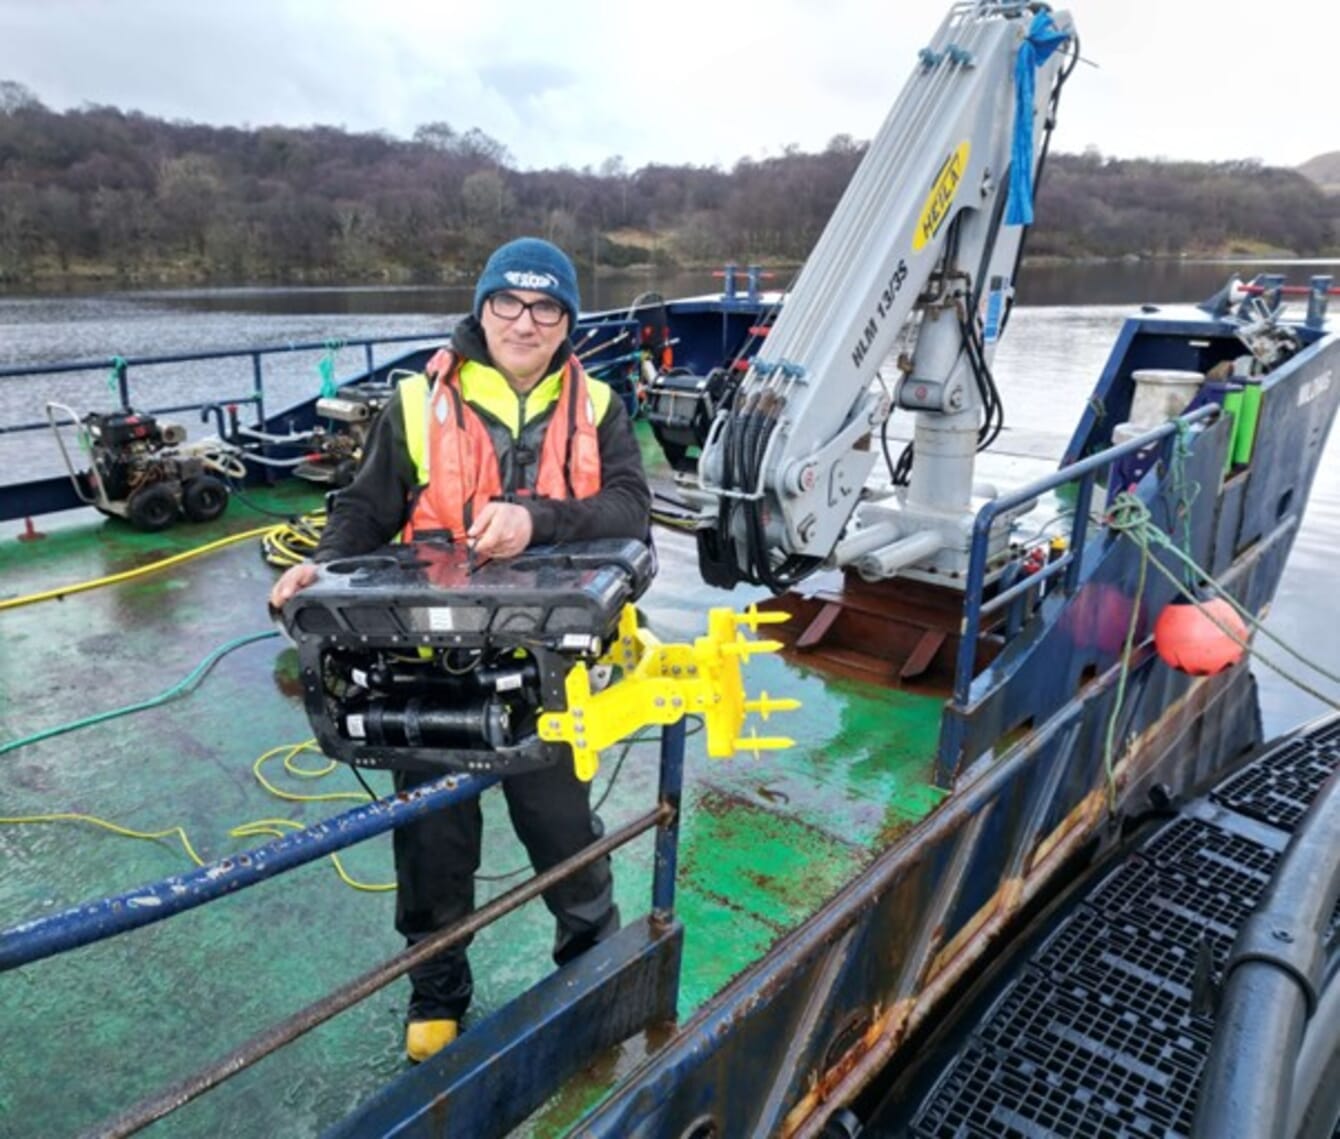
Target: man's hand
[290,581]
[501,530]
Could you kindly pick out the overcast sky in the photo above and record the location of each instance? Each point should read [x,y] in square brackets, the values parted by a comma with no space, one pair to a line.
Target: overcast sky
[683,81]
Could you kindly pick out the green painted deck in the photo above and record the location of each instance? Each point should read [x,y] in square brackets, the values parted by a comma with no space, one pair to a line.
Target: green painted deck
[82,1036]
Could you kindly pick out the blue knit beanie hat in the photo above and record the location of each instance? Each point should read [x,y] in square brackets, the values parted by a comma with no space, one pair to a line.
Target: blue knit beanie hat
[530,264]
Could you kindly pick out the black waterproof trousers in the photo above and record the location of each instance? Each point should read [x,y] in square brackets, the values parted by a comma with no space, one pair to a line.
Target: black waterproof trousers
[437,857]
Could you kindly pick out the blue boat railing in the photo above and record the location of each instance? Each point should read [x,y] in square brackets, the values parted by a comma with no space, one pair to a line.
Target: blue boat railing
[648,949]
[1063,571]
[119,369]
[106,917]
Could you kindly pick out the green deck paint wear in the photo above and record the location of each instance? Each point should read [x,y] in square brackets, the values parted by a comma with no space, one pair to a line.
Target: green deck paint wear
[765,842]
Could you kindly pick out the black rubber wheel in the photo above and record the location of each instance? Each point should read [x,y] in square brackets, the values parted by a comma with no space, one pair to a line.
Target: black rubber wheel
[152,507]
[204,498]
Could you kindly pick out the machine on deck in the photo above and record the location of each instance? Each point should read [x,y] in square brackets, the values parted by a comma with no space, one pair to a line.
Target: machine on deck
[142,469]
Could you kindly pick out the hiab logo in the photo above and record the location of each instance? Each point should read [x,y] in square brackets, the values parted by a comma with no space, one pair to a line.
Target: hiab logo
[941,197]
[1308,390]
[525,279]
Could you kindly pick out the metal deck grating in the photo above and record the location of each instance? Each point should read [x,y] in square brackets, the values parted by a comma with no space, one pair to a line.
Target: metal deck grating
[1277,788]
[1005,1096]
[1096,1035]
[1086,1042]
[1127,967]
[1145,897]
[1215,856]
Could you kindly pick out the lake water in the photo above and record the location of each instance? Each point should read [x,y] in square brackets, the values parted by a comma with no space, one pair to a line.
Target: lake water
[1046,365]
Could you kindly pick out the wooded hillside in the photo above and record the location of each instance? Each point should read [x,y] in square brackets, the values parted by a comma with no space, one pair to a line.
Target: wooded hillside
[1324,170]
[100,191]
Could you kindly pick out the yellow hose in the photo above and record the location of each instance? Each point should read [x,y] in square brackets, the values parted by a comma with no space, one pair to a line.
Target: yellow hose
[127,575]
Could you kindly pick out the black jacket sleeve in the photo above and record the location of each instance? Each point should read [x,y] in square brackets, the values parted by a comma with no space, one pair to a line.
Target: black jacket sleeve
[374,508]
[622,508]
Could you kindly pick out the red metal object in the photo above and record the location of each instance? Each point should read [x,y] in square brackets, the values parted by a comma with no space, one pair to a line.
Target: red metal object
[1287,290]
[30,532]
[904,635]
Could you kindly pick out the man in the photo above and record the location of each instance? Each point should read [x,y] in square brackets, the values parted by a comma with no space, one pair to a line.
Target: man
[505,443]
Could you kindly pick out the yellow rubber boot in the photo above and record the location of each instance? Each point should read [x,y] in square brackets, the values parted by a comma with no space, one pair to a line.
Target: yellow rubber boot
[424,1038]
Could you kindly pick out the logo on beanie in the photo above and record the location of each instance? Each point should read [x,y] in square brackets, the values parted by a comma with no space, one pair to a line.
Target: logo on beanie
[526,279]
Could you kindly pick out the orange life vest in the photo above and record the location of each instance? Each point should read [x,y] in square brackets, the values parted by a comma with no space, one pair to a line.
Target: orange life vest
[456,464]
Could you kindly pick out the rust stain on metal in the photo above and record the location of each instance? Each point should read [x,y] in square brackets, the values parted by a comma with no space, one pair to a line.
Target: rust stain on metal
[1011,894]
[892,831]
[883,1040]
[884,1026]
[439,1113]
[961,940]
[735,907]
[1084,817]
[719,804]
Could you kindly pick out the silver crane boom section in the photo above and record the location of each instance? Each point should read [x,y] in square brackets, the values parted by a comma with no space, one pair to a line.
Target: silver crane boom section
[944,149]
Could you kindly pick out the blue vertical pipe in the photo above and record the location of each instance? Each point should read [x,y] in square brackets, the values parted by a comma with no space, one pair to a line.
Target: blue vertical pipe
[667,834]
[972,604]
[258,386]
[106,917]
[258,393]
[1079,530]
[1317,297]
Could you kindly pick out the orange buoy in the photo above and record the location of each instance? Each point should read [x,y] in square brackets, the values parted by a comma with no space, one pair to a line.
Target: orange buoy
[1189,637]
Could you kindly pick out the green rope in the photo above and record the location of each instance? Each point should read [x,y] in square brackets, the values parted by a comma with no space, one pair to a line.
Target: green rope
[176,690]
[1130,517]
[1184,494]
[1128,650]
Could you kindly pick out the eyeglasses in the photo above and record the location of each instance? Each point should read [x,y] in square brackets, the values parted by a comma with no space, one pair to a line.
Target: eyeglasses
[543,312]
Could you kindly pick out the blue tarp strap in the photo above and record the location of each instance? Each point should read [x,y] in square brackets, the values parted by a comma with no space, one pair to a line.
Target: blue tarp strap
[1044,37]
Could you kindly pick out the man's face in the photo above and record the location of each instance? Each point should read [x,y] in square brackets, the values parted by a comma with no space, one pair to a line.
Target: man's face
[522,346]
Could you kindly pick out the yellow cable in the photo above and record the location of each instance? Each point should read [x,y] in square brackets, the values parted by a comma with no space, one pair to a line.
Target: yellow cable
[126,575]
[113,827]
[305,773]
[277,827]
[286,544]
[273,827]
